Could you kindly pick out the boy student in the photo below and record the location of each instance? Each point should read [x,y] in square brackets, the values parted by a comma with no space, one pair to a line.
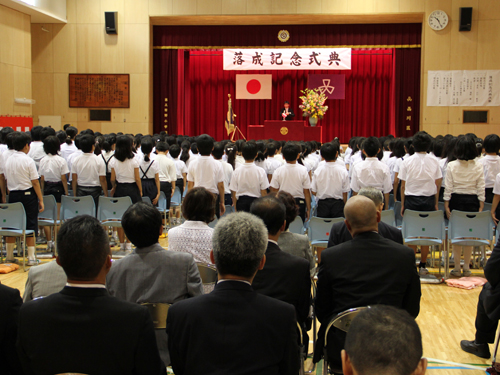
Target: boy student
[88,171]
[206,172]
[168,172]
[218,153]
[36,146]
[330,183]
[272,163]
[249,182]
[22,181]
[421,179]
[294,179]
[180,167]
[491,164]
[371,172]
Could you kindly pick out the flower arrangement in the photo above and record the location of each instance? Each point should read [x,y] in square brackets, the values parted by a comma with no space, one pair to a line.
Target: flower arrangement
[313,103]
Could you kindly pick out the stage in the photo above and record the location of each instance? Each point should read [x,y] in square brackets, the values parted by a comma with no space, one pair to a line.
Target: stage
[285,131]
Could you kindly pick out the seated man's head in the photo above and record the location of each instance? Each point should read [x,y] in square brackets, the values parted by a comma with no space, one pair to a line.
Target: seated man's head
[83,250]
[142,224]
[383,340]
[272,211]
[361,215]
[239,244]
[199,205]
[375,195]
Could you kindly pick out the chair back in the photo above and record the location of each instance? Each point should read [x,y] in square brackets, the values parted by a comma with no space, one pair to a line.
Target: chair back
[391,201]
[229,210]
[343,320]
[213,223]
[147,200]
[75,206]
[389,217]
[470,225]
[177,197]
[423,224]
[112,208]
[159,312]
[50,209]
[297,226]
[12,215]
[441,208]
[319,228]
[208,273]
[162,202]
[397,213]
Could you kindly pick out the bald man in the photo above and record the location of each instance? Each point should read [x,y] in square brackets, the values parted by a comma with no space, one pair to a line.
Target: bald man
[367,270]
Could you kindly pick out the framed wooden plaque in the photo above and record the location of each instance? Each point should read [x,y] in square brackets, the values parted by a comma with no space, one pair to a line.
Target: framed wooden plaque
[99,90]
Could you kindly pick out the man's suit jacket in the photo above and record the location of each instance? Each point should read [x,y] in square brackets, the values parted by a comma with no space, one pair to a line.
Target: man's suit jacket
[10,303]
[367,270]
[285,277]
[85,330]
[490,294]
[340,234]
[152,274]
[290,116]
[44,280]
[233,330]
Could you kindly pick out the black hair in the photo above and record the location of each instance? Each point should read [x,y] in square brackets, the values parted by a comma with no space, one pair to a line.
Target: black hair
[329,151]
[449,149]
[437,146]
[162,147]
[3,134]
[174,151]
[465,149]
[185,151]
[271,149]
[387,144]
[272,211]
[422,142]
[231,150]
[409,146]
[83,247]
[66,126]
[371,147]
[199,205]
[124,147]
[99,141]
[46,131]
[36,133]
[249,151]
[290,151]
[61,135]
[137,139]
[171,140]
[20,140]
[146,147]
[71,133]
[51,145]
[218,150]
[291,207]
[261,150]
[109,141]
[142,224]
[8,139]
[86,143]
[205,144]
[491,144]
[398,148]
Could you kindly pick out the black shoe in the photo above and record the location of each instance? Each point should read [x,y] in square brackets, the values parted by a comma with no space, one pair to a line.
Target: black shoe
[480,350]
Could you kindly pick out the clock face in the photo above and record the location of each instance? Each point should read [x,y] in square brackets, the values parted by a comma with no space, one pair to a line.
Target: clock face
[438,20]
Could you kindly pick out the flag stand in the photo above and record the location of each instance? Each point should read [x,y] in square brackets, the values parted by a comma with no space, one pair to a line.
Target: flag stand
[236,129]
[230,127]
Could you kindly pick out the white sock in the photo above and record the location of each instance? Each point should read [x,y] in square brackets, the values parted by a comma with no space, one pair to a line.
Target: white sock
[128,246]
[10,250]
[457,254]
[122,246]
[31,252]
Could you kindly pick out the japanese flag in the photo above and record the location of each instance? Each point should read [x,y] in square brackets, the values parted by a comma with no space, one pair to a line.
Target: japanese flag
[254,86]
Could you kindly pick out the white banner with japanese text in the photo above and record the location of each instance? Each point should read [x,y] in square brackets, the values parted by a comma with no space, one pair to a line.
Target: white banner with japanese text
[288,59]
[464,88]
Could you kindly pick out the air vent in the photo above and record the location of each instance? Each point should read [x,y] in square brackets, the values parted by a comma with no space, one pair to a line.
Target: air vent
[478,117]
[100,114]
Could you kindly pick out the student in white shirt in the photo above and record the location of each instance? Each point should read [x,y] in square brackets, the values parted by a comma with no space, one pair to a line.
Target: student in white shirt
[405,153]
[88,172]
[372,172]
[180,167]
[217,153]
[272,162]
[71,158]
[230,151]
[4,156]
[168,171]
[125,178]
[69,146]
[36,146]
[421,179]
[330,183]
[206,172]
[294,179]
[22,182]
[464,191]
[249,182]
[495,207]
[3,138]
[149,171]
[491,164]
[260,160]
[108,152]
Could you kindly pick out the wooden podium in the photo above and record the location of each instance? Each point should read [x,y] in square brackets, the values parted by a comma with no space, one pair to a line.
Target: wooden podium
[285,131]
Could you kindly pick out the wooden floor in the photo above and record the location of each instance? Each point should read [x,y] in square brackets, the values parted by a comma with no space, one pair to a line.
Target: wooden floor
[446,317]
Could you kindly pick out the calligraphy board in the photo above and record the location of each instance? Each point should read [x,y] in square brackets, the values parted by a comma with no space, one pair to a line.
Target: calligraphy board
[99,90]
[288,59]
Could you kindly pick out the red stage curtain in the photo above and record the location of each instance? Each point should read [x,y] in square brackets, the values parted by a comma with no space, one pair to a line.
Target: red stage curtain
[165,71]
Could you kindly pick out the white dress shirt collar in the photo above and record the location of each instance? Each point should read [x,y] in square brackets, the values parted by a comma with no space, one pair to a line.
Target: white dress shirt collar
[86,286]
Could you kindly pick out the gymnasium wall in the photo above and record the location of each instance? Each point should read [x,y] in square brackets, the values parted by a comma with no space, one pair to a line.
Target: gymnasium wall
[15,62]
[82,46]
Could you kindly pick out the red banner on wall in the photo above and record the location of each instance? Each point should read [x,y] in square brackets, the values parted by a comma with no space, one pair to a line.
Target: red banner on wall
[20,124]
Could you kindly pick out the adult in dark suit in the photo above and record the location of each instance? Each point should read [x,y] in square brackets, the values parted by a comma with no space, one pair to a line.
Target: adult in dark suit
[340,234]
[234,330]
[150,273]
[286,113]
[90,331]
[488,309]
[10,303]
[285,277]
[367,270]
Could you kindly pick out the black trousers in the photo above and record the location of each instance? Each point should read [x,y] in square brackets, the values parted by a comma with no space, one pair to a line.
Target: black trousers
[301,202]
[166,187]
[94,191]
[488,195]
[485,327]
[244,202]
[330,208]
[29,201]
[228,199]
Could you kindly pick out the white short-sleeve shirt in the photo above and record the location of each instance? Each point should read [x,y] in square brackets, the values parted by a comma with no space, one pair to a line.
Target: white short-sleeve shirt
[464,177]
[496,188]
[166,168]
[180,167]
[52,167]
[88,167]
[124,170]
[67,150]
[206,172]
[36,152]
[330,180]
[272,164]
[249,180]
[228,175]
[491,166]
[19,171]
[371,173]
[420,172]
[292,178]
[148,169]
[70,159]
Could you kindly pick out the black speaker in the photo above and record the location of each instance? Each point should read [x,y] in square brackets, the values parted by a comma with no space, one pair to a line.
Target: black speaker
[465,19]
[111,20]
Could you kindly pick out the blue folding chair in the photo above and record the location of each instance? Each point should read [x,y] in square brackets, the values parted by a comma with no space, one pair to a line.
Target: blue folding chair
[48,218]
[13,224]
[397,213]
[471,229]
[229,210]
[424,228]
[319,230]
[297,226]
[389,217]
[111,210]
[147,200]
[162,205]
[176,198]
[75,206]
[213,223]
[391,201]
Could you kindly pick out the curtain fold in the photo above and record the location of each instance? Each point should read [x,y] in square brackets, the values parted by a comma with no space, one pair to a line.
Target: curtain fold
[165,64]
